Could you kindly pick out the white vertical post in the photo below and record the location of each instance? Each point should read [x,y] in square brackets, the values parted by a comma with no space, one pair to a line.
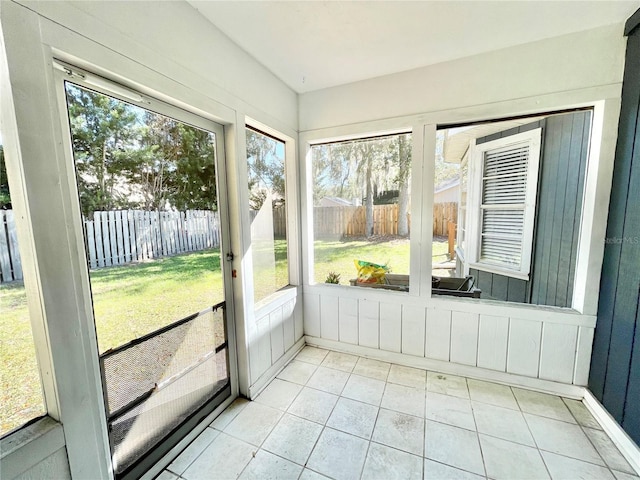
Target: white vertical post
[91,243]
[97,226]
[119,237]
[126,236]
[113,242]
[108,261]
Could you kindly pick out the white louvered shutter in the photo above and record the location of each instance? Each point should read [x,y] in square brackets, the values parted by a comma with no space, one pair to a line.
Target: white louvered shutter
[508,185]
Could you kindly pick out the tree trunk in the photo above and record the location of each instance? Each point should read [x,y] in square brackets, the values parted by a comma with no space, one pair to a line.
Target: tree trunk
[403,194]
[403,210]
[369,200]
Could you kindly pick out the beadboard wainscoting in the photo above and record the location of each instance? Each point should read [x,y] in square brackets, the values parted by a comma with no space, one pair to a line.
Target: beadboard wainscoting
[550,345]
[276,336]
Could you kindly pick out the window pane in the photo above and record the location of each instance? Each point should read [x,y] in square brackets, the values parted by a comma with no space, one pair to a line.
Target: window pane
[446,197]
[361,206]
[147,186]
[266,170]
[513,244]
[21,396]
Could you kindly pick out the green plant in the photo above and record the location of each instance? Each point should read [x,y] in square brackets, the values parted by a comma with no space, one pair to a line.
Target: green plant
[332,277]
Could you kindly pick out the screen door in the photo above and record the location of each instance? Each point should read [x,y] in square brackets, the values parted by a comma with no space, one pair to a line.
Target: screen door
[149,190]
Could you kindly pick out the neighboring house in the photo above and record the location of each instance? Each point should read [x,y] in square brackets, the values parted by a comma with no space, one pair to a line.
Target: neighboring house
[337,202]
[447,192]
[521,189]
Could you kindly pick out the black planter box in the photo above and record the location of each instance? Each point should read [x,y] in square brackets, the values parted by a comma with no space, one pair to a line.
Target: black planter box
[452,286]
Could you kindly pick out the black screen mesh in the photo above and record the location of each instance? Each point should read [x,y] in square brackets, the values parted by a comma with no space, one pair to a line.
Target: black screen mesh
[153,384]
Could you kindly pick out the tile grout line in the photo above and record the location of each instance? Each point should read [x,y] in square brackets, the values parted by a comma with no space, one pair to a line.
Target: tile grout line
[540,450]
[473,414]
[370,440]
[324,427]
[197,456]
[606,464]
[424,429]
[278,422]
[207,446]
[535,442]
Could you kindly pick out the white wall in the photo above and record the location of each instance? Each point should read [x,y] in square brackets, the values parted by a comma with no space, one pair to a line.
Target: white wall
[538,347]
[173,39]
[165,49]
[571,62]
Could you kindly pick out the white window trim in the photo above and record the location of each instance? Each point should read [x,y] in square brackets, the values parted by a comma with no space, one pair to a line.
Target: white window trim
[463,233]
[291,206]
[474,201]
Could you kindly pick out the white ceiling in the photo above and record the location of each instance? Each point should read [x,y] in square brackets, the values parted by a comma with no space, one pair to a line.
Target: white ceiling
[317,44]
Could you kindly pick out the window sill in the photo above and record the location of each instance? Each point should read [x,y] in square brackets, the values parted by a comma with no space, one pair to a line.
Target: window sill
[27,447]
[483,267]
[275,300]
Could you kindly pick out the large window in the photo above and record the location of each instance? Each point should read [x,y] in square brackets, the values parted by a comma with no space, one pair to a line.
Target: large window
[21,396]
[361,205]
[268,213]
[519,191]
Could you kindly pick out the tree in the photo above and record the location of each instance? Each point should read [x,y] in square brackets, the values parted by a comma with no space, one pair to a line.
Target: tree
[266,169]
[364,169]
[404,174]
[128,157]
[5,197]
[103,132]
[366,155]
[174,166]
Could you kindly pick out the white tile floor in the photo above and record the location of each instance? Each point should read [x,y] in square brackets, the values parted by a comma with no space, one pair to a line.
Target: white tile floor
[338,416]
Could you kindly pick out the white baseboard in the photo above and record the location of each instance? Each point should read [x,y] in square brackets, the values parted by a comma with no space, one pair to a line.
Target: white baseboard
[625,444]
[270,374]
[570,391]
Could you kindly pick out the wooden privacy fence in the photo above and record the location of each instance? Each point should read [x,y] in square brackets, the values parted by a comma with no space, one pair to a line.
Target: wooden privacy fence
[10,265]
[123,236]
[443,213]
[351,222]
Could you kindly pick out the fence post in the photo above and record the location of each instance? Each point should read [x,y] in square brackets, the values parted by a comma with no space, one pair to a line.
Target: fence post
[5,260]
[14,253]
[451,234]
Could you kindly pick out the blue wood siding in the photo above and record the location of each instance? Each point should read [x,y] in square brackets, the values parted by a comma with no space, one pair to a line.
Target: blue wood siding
[615,364]
[565,140]
[559,208]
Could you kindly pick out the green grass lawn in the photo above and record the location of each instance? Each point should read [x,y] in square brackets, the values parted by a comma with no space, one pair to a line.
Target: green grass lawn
[132,300]
[338,256]
[20,390]
[129,301]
